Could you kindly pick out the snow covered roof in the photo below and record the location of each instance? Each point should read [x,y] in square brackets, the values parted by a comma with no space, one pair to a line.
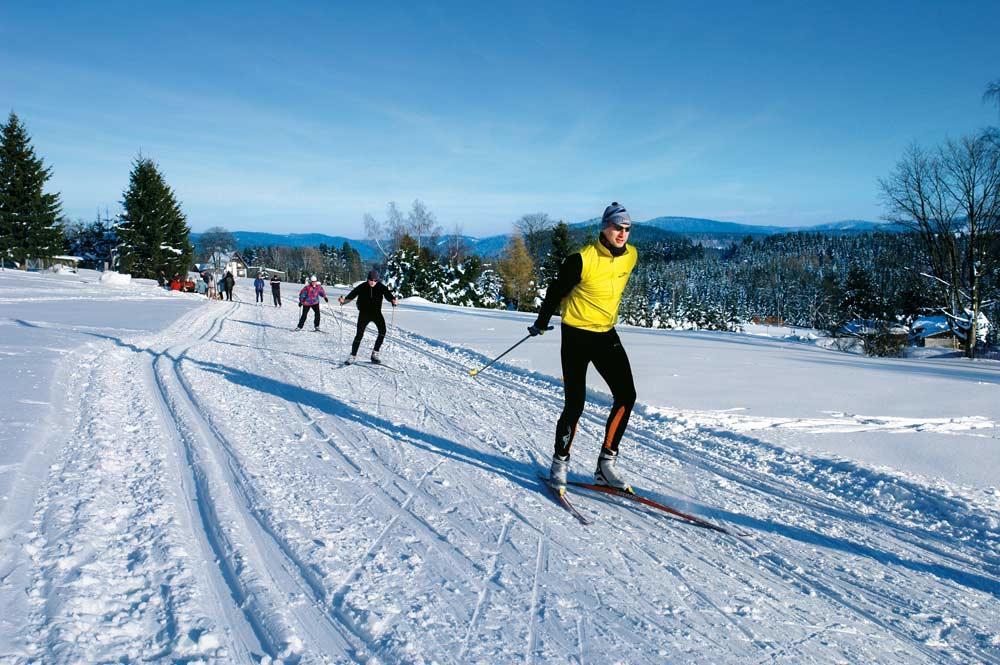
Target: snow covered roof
[861,327]
[930,326]
[66,257]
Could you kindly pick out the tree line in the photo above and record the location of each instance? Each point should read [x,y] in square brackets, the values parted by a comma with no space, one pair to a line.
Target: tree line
[948,197]
[150,236]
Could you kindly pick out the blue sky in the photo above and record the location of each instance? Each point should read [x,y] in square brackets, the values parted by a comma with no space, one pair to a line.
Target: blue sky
[302,119]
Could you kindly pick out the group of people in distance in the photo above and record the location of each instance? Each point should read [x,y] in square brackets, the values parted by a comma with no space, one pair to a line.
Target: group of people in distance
[215,288]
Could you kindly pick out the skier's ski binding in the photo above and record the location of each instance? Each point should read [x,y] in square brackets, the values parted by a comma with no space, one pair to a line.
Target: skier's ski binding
[351,360]
[557,473]
[606,474]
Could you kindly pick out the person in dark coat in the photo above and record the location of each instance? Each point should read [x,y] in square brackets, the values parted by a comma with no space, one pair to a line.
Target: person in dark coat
[229,283]
[369,294]
[258,288]
[276,290]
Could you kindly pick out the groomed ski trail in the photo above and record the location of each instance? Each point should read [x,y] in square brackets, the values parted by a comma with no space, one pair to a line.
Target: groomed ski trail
[398,517]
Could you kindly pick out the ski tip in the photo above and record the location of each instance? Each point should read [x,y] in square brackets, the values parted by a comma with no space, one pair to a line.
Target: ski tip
[473,372]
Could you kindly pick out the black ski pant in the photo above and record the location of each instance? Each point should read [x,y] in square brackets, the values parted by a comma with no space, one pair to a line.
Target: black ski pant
[260,296]
[364,318]
[229,293]
[276,294]
[305,313]
[604,349]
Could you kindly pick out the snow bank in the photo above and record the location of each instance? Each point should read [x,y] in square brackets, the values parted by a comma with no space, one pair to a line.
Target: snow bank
[115,279]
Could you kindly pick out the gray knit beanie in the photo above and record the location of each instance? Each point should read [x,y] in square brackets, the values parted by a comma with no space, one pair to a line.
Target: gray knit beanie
[615,214]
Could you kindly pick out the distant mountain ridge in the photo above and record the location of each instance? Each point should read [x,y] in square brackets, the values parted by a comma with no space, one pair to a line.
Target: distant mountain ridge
[246,239]
[493,245]
[698,225]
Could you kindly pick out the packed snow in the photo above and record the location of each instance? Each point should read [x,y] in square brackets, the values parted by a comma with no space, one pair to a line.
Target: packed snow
[192,481]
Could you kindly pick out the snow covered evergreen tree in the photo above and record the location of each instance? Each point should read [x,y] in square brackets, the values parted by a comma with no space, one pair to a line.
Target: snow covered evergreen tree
[153,230]
[408,273]
[464,287]
[29,218]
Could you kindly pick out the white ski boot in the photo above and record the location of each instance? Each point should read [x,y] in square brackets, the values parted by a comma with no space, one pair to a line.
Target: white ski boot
[557,473]
[606,474]
[351,360]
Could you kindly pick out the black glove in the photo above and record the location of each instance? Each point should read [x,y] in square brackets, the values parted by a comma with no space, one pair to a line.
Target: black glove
[537,329]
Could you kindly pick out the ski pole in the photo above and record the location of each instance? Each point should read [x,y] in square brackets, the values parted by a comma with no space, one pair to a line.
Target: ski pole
[473,372]
[392,325]
[340,327]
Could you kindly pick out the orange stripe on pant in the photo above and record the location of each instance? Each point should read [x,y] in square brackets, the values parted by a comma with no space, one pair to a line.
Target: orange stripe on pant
[609,435]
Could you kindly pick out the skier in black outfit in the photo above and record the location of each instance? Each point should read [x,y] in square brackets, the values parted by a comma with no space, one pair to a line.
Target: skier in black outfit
[369,295]
[229,282]
[276,290]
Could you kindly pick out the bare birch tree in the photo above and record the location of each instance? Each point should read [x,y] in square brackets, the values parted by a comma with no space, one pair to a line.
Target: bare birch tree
[536,229]
[951,199]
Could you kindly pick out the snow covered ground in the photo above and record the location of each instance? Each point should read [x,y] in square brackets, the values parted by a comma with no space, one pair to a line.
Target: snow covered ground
[942,414]
[223,489]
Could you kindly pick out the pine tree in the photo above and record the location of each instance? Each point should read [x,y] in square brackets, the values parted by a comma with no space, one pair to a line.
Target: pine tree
[29,218]
[401,268]
[355,266]
[561,248]
[93,242]
[153,230]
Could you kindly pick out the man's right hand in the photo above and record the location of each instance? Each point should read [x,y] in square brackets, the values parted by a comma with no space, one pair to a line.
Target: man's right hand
[537,329]
[341,300]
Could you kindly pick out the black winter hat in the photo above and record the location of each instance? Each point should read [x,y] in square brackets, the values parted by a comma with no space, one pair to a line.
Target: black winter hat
[373,275]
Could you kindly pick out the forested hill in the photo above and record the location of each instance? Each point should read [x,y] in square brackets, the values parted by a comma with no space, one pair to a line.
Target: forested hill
[708,231]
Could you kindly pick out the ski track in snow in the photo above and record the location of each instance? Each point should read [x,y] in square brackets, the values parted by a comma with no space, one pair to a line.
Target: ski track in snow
[228,491]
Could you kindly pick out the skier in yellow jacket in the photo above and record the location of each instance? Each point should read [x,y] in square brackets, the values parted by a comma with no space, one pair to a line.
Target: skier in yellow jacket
[589,288]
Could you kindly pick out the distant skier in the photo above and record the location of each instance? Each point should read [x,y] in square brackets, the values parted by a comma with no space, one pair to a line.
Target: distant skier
[369,295]
[276,290]
[258,288]
[229,283]
[309,299]
[589,287]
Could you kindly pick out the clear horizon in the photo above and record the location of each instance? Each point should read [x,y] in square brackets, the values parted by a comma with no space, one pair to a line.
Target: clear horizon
[309,117]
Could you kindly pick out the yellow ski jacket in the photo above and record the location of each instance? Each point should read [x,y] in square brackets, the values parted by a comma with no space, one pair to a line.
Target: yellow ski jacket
[589,288]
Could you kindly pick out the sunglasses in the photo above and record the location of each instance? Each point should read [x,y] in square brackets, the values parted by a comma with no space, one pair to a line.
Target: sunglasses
[619,228]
